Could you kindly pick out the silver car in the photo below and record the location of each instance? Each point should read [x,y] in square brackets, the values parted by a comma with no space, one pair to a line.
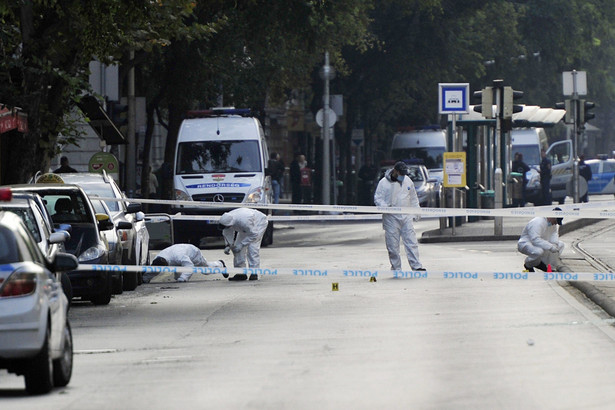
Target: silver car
[135,241]
[427,188]
[35,334]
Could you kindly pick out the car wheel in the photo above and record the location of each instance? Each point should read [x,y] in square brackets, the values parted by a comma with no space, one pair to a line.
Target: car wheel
[118,284]
[63,366]
[268,236]
[104,297]
[39,374]
[67,287]
[131,280]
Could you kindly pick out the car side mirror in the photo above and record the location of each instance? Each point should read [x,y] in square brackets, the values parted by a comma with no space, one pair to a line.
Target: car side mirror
[59,237]
[124,225]
[105,225]
[64,262]
[133,208]
[139,216]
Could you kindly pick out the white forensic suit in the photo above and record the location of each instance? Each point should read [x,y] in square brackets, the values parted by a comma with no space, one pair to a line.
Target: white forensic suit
[185,254]
[540,242]
[399,194]
[244,231]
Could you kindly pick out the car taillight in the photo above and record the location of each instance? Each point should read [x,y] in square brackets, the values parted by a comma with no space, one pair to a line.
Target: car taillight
[18,284]
[6,194]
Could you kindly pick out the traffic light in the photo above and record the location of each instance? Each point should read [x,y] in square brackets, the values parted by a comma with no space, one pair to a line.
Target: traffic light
[486,98]
[584,113]
[509,108]
[566,105]
[116,112]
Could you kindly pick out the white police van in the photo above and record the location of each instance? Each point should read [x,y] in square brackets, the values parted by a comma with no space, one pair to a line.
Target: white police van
[428,145]
[221,156]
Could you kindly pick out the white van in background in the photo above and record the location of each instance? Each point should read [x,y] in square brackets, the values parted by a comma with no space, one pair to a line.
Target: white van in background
[529,142]
[428,145]
[221,156]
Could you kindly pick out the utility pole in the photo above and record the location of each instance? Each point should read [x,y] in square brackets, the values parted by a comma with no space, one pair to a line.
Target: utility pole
[327,74]
[131,149]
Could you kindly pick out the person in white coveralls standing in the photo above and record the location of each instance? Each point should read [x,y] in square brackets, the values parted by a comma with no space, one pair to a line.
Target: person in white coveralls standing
[396,189]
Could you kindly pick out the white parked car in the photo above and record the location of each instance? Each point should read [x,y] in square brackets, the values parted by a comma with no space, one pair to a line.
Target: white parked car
[35,334]
[38,222]
[135,241]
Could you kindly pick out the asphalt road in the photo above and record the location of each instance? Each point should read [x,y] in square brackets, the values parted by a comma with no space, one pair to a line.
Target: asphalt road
[283,342]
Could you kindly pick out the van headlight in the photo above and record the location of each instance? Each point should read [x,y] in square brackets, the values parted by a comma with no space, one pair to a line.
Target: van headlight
[182,196]
[255,196]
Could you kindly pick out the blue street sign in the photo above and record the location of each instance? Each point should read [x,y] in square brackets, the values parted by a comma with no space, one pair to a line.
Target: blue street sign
[453,98]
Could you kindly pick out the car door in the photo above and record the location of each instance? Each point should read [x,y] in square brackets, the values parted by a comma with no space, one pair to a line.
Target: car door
[562,161]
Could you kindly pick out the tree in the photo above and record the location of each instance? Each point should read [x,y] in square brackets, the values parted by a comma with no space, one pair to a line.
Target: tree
[46,47]
[261,49]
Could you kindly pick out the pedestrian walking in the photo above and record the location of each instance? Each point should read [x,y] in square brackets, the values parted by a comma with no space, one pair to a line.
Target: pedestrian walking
[522,168]
[545,178]
[306,182]
[396,189]
[181,254]
[586,172]
[295,178]
[540,242]
[275,168]
[243,230]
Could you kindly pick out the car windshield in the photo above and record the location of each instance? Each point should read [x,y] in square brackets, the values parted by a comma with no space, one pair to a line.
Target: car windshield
[531,154]
[102,190]
[415,174]
[67,207]
[431,156]
[99,208]
[205,157]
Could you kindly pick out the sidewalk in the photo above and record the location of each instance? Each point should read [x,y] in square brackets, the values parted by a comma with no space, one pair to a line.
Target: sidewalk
[596,238]
[483,230]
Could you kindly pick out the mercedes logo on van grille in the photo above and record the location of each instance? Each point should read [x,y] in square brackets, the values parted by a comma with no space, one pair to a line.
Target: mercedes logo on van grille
[218,198]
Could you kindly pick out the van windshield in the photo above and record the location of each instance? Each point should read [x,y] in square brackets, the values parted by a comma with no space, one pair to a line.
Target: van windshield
[205,157]
[531,153]
[431,156]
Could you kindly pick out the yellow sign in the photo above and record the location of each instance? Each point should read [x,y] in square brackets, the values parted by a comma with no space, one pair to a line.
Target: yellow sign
[454,169]
[50,179]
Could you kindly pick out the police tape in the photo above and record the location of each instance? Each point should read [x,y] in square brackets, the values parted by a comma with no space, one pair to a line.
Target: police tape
[592,210]
[358,273]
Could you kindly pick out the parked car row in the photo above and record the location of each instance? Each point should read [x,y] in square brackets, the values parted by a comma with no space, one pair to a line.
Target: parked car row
[35,335]
[98,232]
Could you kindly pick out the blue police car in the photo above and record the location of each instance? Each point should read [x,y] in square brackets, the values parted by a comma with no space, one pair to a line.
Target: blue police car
[603,176]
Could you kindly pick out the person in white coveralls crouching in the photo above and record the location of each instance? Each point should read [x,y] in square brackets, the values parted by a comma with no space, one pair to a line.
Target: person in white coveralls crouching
[540,242]
[181,254]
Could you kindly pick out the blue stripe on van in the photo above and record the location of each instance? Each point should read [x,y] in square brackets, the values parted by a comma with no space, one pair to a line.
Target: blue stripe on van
[218,185]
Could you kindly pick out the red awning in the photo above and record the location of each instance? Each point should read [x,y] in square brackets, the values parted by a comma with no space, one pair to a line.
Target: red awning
[13,119]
